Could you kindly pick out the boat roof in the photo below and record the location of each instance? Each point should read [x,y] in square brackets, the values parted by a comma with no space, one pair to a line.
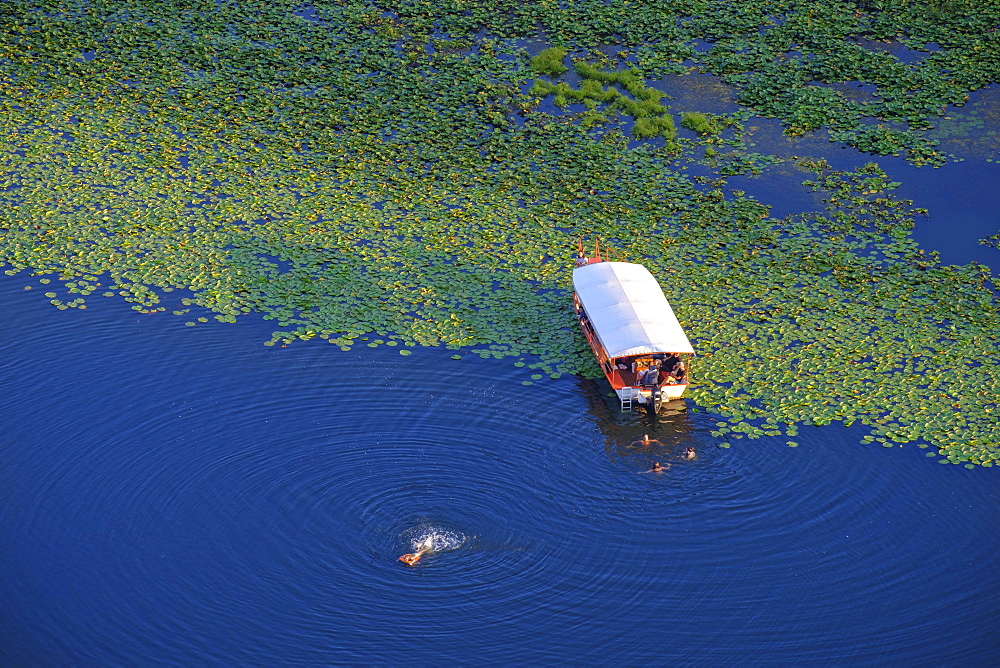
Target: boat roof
[628,310]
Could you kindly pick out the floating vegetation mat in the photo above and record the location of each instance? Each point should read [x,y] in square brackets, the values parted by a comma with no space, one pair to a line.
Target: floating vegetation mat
[375,173]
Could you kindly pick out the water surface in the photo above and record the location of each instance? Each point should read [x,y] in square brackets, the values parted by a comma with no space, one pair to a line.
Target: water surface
[186,495]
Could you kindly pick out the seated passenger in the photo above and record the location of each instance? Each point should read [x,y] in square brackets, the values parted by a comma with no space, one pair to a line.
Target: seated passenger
[679,374]
[669,363]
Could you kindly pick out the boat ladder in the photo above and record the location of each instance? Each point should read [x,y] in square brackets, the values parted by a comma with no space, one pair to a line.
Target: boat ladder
[627,395]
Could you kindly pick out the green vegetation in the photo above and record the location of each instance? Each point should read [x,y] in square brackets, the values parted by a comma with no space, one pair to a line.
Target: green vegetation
[652,119]
[368,179]
[646,127]
[630,79]
[701,123]
[920,57]
[549,61]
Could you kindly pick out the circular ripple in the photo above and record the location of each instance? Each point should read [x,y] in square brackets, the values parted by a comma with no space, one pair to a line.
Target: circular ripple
[204,499]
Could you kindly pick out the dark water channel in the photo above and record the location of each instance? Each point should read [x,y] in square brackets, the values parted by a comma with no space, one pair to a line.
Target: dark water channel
[189,496]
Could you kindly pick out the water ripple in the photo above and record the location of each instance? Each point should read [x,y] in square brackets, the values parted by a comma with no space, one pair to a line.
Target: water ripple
[189,495]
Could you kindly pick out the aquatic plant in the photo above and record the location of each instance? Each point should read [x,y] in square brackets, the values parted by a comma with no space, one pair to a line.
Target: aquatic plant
[549,61]
[592,118]
[630,79]
[353,183]
[651,118]
[646,126]
[701,123]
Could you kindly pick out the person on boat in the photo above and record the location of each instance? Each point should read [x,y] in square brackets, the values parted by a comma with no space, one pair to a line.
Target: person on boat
[657,468]
[669,363]
[581,258]
[689,454]
[679,373]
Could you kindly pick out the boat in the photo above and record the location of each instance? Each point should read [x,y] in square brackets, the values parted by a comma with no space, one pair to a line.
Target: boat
[629,324]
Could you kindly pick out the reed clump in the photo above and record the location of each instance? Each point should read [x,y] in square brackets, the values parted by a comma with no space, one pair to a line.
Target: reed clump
[592,118]
[624,78]
[642,102]
[701,123]
[549,61]
[639,108]
[653,126]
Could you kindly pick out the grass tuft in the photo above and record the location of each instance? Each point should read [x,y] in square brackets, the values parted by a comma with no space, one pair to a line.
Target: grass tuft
[701,123]
[663,126]
[549,61]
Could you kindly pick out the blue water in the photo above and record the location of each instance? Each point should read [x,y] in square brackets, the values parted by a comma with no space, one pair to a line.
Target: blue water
[188,496]
[962,199]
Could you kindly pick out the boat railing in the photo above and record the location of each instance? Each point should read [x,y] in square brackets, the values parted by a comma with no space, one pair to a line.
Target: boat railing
[595,344]
[599,254]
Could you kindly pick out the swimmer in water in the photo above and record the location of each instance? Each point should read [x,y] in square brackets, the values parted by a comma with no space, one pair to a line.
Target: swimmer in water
[689,454]
[657,468]
[412,558]
[646,441]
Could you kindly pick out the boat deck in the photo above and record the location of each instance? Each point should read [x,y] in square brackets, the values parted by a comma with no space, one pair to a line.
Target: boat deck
[626,377]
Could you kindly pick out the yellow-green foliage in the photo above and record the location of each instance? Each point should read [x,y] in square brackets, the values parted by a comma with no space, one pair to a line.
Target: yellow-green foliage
[593,90]
[259,187]
[592,118]
[542,88]
[623,77]
[647,127]
[630,80]
[638,108]
[701,123]
[563,93]
[644,103]
[549,61]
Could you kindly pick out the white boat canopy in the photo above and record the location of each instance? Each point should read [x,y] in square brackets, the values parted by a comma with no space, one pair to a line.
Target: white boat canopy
[628,310]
